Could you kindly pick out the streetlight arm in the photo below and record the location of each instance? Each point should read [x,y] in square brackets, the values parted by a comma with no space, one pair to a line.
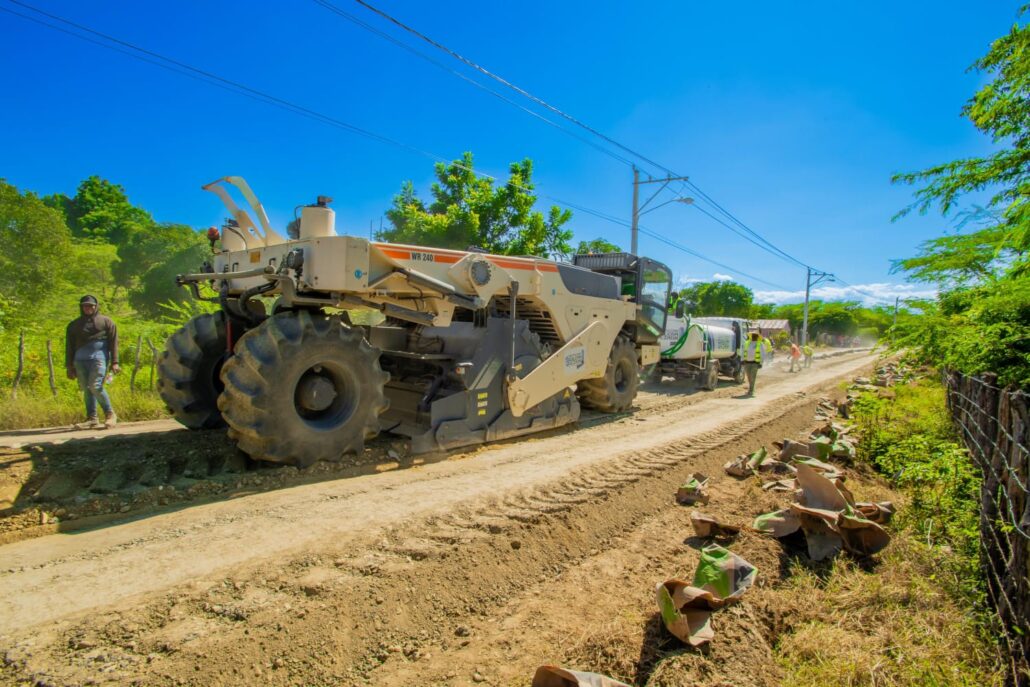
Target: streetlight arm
[687,201]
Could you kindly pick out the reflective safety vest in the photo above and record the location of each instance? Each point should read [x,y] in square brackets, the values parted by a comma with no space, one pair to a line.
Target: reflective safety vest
[807,349]
[753,352]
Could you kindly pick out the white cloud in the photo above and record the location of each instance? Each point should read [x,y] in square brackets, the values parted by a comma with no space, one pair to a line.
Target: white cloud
[684,280]
[866,294]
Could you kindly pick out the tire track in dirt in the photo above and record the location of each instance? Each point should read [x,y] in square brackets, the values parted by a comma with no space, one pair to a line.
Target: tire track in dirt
[561,518]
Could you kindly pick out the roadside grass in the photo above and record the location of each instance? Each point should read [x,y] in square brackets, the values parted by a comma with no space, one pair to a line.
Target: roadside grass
[918,617]
[35,405]
[898,624]
[909,438]
[38,408]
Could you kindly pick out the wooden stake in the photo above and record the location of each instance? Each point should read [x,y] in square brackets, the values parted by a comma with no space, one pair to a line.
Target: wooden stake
[21,364]
[153,361]
[50,368]
[135,366]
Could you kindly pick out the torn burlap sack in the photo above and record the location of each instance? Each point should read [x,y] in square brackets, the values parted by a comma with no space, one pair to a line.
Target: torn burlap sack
[827,518]
[707,526]
[828,470]
[781,485]
[880,513]
[818,448]
[693,491]
[746,465]
[721,578]
[555,676]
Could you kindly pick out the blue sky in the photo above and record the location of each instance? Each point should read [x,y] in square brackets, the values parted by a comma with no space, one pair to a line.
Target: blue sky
[792,116]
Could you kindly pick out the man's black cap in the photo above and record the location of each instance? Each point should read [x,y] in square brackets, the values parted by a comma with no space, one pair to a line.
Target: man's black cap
[88,299]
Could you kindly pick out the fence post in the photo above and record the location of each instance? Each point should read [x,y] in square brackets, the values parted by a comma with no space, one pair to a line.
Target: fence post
[21,364]
[153,361]
[135,366]
[1013,438]
[50,368]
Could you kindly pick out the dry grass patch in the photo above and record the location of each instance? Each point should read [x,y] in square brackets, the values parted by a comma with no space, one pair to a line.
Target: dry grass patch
[897,624]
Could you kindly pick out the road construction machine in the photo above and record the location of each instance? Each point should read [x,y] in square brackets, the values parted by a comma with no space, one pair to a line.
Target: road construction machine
[322,341]
[701,349]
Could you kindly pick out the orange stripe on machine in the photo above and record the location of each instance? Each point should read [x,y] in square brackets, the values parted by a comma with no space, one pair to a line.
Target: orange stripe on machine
[450,257]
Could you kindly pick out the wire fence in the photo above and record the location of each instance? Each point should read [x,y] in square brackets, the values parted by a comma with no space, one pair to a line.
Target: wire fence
[995,427]
[31,359]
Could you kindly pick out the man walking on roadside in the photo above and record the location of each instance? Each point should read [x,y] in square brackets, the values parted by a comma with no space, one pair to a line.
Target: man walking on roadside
[807,350]
[795,357]
[752,360]
[90,350]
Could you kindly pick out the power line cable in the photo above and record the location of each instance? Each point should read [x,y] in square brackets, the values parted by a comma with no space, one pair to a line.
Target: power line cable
[421,55]
[157,59]
[508,84]
[767,245]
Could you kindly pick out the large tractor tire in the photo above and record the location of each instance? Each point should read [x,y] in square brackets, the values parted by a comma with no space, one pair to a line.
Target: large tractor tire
[616,390]
[188,371]
[301,388]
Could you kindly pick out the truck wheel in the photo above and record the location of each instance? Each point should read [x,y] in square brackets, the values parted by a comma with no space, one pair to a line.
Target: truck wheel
[188,371]
[615,391]
[710,377]
[738,373]
[301,388]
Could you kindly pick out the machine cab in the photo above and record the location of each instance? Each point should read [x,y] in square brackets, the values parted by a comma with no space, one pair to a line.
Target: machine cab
[647,282]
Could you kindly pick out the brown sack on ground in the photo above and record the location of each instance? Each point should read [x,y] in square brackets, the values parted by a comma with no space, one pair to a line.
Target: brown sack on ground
[880,513]
[826,516]
[817,491]
[721,578]
[785,485]
[693,491]
[707,526]
[746,465]
[555,676]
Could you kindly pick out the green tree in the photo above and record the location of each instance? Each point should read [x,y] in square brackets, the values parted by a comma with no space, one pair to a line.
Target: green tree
[101,211]
[146,249]
[597,245]
[832,318]
[718,298]
[157,287]
[34,247]
[469,211]
[981,319]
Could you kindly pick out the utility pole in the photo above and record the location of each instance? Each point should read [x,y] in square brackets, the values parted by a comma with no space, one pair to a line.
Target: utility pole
[808,289]
[636,212]
[895,323]
[639,210]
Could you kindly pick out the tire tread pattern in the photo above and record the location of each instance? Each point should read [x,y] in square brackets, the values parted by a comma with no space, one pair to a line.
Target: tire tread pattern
[260,414]
[190,354]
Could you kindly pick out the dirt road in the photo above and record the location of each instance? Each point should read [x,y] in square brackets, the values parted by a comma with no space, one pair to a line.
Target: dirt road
[378,578]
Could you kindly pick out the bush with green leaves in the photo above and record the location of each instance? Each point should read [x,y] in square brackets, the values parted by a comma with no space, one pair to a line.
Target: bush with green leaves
[911,440]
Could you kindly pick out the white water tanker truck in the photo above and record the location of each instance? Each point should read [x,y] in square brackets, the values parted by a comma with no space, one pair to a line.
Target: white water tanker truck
[702,348]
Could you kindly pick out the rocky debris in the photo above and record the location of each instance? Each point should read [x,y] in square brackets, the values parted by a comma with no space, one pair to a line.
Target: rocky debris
[721,578]
[130,473]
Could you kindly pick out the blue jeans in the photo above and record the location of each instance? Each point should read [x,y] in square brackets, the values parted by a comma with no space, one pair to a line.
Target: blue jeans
[90,374]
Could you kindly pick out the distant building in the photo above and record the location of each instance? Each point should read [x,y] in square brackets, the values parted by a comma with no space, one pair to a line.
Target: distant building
[770,328]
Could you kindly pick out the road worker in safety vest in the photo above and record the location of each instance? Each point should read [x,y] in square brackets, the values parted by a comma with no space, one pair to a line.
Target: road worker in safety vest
[753,351]
[807,350]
